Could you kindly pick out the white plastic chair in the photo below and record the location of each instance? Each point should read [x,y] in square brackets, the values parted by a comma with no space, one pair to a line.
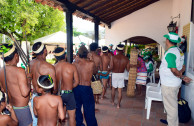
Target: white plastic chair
[148,85]
[151,75]
[153,93]
[151,96]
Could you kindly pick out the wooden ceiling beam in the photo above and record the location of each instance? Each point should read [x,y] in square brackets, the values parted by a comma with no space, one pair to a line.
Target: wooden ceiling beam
[72,6]
[78,2]
[112,7]
[105,6]
[101,4]
[122,8]
[89,4]
[126,12]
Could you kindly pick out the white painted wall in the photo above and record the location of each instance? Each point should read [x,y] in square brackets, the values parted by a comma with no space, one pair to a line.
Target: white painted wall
[151,21]
[184,8]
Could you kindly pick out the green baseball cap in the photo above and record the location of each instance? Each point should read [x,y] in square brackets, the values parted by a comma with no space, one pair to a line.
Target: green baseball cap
[173,37]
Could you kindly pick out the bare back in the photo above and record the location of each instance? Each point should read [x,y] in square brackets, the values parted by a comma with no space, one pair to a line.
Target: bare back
[66,74]
[105,62]
[18,91]
[85,70]
[97,61]
[120,63]
[48,108]
[41,67]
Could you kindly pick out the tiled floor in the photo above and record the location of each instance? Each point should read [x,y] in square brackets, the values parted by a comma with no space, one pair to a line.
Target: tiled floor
[131,113]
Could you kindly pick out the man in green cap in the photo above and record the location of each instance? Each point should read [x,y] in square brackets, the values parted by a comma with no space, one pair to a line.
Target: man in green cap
[171,70]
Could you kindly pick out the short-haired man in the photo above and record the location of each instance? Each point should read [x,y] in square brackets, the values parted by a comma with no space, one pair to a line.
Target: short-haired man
[171,70]
[67,77]
[83,92]
[48,108]
[118,65]
[105,69]
[93,56]
[17,85]
[7,120]
[39,66]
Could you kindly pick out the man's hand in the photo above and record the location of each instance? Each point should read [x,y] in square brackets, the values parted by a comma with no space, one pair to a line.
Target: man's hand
[9,107]
[187,79]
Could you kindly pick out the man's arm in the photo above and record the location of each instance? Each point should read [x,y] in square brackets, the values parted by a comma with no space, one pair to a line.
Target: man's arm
[13,121]
[111,63]
[61,113]
[128,65]
[76,77]
[34,106]
[24,86]
[100,63]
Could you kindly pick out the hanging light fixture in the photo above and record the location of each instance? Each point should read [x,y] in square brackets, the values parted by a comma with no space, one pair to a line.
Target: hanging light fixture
[172,26]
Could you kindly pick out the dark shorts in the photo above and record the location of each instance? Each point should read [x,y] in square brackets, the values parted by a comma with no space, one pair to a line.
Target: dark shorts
[68,100]
[23,115]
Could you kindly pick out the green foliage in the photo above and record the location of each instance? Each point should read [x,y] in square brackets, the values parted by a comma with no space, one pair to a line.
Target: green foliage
[76,32]
[140,47]
[4,49]
[37,20]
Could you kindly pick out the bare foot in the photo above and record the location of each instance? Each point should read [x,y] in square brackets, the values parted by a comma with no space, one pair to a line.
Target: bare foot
[112,103]
[118,106]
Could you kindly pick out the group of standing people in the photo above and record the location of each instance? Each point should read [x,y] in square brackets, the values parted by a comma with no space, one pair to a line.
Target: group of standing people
[66,87]
[59,88]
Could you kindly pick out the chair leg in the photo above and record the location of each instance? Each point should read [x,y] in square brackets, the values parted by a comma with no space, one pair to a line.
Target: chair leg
[149,103]
[153,77]
[145,103]
[150,79]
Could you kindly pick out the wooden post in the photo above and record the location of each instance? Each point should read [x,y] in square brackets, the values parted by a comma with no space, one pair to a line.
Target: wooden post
[69,27]
[96,30]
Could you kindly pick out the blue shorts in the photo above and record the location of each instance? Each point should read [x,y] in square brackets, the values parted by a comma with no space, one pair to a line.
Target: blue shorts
[104,77]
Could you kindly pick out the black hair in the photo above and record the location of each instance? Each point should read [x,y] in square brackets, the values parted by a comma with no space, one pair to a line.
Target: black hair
[11,56]
[58,50]
[173,43]
[36,46]
[104,48]
[93,46]
[3,97]
[45,81]
[83,52]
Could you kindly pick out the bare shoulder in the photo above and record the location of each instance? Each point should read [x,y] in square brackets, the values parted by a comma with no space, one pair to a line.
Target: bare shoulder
[20,70]
[5,119]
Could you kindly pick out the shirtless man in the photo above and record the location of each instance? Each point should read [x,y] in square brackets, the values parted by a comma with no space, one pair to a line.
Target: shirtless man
[48,108]
[98,65]
[105,69]
[67,76]
[39,66]
[17,85]
[118,65]
[83,92]
[7,120]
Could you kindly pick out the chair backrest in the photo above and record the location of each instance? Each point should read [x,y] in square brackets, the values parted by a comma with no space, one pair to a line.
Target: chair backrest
[159,83]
